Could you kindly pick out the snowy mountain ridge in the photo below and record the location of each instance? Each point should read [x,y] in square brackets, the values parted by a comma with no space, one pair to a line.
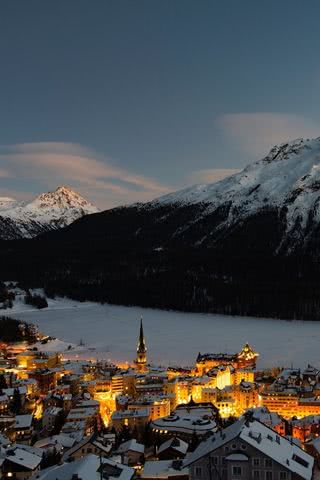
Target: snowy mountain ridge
[287,179]
[47,211]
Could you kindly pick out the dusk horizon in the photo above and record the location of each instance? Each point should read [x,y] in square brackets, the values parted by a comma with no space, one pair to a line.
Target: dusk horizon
[127,102]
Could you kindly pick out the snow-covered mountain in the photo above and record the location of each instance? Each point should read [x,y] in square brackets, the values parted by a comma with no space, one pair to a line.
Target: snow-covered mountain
[247,245]
[48,211]
[285,182]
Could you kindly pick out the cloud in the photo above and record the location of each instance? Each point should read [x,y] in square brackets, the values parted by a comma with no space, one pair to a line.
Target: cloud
[257,133]
[4,173]
[55,163]
[211,175]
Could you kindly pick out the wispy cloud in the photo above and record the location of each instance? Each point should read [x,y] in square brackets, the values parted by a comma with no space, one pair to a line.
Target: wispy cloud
[256,133]
[211,175]
[54,163]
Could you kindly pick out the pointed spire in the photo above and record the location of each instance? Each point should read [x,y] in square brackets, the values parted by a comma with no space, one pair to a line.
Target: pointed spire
[141,359]
[142,342]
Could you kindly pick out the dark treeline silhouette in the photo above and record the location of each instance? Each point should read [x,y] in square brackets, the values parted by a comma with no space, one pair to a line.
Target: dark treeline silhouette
[35,299]
[12,330]
[129,257]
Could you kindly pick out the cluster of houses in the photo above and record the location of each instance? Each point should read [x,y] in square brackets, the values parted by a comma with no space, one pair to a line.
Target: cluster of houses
[221,419]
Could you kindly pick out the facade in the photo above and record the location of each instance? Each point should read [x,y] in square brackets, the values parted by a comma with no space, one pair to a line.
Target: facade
[133,419]
[21,465]
[249,450]
[244,359]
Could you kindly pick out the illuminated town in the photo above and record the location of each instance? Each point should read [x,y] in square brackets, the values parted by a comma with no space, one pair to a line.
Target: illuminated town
[151,421]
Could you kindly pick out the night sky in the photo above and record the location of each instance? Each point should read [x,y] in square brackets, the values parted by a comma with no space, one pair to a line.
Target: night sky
[125,100]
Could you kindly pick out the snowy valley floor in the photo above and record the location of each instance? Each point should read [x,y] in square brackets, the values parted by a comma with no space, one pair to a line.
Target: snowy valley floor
[110,332]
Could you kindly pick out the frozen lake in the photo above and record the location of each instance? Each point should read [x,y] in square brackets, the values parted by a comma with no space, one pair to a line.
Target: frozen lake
[173,337]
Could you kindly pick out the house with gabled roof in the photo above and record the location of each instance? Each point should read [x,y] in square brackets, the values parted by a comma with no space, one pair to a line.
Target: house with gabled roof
[20,464]
[172,449]
[249,449]
[90,467]
[91,444]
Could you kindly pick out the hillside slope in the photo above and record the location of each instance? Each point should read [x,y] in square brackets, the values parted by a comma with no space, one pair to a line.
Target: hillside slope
[247,245]
[48,211]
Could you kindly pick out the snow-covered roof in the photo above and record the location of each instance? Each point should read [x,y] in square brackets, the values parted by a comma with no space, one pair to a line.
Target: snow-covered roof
[66,441]
[25,459]
[131,445]
[94,439]
[87,468]
[162,469]
[262,414]
[263,439]
[188,423]
[10,391]
[54,411]
[88,403]
[309,419]
[175,443]
[23,421]
[81,413]
[143,412]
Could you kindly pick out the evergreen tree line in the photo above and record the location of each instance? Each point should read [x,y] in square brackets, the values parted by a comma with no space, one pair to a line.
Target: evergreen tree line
[12,330]
[105,258]
[36,300]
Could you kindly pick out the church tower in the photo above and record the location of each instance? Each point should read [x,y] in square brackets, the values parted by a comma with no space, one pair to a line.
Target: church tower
[141,359]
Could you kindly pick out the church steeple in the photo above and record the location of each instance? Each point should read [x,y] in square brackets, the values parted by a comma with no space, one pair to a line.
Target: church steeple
[141,360]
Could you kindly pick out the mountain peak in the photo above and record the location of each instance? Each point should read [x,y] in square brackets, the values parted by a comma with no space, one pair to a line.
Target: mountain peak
[63,198]
[51,210]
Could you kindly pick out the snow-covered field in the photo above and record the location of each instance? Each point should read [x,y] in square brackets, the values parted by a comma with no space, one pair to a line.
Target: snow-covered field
[111,331]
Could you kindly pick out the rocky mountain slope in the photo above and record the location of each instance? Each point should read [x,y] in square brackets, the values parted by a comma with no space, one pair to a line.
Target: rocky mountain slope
[48,211]
[247,245]
[284,185]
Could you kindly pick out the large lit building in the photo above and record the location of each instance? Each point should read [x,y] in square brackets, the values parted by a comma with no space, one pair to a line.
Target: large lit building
[246,358]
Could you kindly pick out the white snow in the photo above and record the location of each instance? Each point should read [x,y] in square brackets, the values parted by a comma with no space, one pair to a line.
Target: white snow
[110,332]
[55,209]
[288,176]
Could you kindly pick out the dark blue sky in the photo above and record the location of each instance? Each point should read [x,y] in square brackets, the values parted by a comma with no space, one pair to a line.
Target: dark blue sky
[155,94]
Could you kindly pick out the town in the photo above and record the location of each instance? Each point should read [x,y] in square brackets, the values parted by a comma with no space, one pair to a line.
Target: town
[81,419]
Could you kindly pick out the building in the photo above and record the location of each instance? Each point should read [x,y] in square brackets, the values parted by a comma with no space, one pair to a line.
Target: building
[270,419]
[141,359]
[132,452]
[92,444]
[164,470]
[158,407]
[88,467]
[45,378]
[184,425]
[20,464]
[246,450]
[133,419]
[244,359]
[23,429]
[172,449]
[50,416]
